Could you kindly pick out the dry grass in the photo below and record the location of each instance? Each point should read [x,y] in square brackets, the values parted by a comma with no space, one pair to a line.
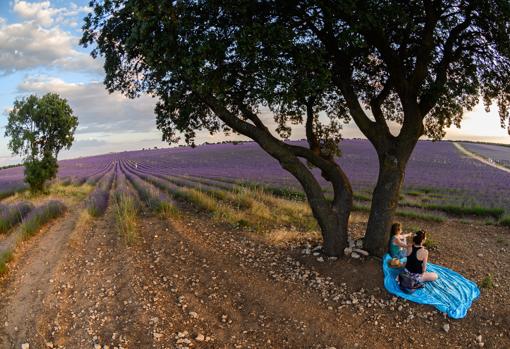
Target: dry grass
[68,194]
[126,217]
[281,237]
[83,222]
[5,258]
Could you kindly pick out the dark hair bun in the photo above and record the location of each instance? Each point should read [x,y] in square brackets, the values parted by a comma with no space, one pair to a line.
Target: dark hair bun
[419,236]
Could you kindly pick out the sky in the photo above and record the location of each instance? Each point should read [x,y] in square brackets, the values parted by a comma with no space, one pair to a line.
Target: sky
[39,53]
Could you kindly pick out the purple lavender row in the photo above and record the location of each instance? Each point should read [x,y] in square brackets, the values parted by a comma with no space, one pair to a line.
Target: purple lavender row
[42,215]
[155,199]
[97,202]
[12,215]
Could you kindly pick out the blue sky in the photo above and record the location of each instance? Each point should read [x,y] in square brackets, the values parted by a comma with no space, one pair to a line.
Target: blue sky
[39,53]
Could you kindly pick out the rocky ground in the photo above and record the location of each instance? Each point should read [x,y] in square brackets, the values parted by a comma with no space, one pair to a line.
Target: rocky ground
[192,283]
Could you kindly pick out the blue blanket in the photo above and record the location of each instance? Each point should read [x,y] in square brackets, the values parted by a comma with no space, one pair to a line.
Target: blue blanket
[451,293]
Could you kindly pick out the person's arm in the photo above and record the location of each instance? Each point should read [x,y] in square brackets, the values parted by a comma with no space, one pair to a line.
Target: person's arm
[399,242]
[425,259]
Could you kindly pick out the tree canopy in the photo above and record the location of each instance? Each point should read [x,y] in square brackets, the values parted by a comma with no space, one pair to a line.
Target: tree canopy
[39,129]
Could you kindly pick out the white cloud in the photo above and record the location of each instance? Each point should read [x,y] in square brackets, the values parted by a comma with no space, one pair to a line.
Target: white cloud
[27,45]
[38,40]
[97,110]
[43,14]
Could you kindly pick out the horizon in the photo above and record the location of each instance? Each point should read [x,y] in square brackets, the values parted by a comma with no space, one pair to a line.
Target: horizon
[41,54]
[235,142]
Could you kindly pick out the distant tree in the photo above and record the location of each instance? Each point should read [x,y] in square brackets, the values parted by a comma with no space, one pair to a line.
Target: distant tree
[213,64]
[39,128]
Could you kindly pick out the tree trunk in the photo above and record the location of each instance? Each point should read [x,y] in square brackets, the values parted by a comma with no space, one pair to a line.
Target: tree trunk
[384,204]
[332,217]
[334,222]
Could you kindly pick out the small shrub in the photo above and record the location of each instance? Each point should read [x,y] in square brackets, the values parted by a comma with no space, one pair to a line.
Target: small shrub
[505,221]
[430,243]
[40,216]
[12,215]
[487,282]
[5,257]
[97,202]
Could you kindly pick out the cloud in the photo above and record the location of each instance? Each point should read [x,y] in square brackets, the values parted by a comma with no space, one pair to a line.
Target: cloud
[38,41]
[41,13]
[97,110]
[88,143]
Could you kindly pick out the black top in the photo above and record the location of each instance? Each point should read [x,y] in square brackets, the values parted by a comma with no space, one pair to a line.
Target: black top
[413,264]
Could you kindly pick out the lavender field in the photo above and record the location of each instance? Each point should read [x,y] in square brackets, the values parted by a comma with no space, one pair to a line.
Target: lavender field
[437,173]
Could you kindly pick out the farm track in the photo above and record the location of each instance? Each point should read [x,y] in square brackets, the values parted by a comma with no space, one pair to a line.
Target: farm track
[31,281]
[480,158]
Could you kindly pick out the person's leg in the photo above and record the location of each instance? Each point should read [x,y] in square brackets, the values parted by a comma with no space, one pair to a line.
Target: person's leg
[427,276]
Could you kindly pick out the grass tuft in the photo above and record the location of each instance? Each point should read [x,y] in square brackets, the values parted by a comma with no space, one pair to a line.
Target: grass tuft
[505,221]
[467,210]
[5,257]
[487,282]
[126,213]
[430,243]
[422,216]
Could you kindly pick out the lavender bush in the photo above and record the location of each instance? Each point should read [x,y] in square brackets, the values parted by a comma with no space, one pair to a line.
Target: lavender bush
[12,215]
[155,199]
[42,215]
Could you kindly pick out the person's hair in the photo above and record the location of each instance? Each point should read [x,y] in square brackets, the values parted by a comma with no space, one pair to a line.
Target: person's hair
[419,236]
[395,227]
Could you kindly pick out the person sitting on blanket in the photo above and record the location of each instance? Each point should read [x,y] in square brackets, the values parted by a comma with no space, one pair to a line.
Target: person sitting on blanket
[417,257]
[398,246]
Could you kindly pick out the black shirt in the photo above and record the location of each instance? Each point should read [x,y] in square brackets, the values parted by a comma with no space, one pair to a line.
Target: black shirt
[413,264]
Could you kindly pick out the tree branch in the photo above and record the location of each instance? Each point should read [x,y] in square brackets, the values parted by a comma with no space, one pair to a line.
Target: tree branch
[431,96]
[310,134]
[375,106]
[424,54]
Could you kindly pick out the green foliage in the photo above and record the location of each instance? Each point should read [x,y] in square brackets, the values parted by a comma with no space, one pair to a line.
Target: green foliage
[430,243]
[505,221]
[38,129]
[38,172]
[467,210]
[422,216]
[5,257]
[487,282]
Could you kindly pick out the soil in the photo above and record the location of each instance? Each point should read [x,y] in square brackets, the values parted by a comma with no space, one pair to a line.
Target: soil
[192,283]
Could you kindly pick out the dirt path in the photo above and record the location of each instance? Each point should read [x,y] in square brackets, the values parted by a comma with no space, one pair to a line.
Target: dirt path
[32,280]
[480,158]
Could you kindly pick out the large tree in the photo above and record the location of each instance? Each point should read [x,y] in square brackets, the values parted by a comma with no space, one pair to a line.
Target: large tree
[39,128]
[213,64]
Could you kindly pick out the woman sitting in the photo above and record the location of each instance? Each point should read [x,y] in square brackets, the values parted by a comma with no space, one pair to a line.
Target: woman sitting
[398,246]
[417,256]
